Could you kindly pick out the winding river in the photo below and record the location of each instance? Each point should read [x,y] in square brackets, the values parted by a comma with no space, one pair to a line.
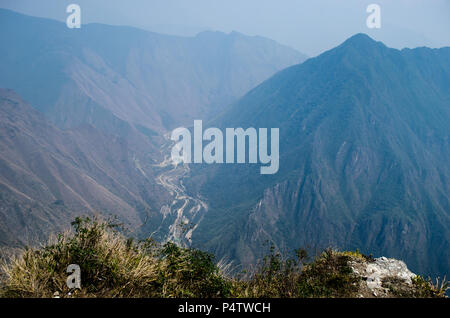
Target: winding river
[184,213]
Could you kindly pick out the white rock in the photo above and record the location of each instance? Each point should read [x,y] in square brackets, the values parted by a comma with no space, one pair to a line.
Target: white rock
[383,268]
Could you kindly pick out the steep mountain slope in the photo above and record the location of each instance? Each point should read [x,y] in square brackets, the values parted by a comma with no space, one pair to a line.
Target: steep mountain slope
[49,176]
[364,159]
[105,75]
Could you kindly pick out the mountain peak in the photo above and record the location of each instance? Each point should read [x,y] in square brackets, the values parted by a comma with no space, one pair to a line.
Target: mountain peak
[362,41]
[360,37]
[214,34]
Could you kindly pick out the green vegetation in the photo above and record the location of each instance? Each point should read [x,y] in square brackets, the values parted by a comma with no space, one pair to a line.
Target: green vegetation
[327,276]
[113,266]
[422,288]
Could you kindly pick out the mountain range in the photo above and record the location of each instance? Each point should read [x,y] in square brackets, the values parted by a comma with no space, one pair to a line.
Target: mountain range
[364,140]
[107,75]
[364,160]
[84,111]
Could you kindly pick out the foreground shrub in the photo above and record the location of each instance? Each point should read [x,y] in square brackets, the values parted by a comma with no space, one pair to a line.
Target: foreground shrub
[329,276]
[326,276]
[112,266]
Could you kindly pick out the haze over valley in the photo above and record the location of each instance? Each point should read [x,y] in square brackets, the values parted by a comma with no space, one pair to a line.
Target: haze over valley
[86,115]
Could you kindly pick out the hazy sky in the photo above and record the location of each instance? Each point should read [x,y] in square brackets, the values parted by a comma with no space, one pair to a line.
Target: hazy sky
[311,26]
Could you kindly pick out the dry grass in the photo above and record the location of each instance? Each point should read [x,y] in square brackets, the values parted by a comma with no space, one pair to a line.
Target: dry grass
[113,266]
[110,267]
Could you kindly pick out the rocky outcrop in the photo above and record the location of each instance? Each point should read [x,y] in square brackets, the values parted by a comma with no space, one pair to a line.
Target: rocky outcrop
[383,277]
